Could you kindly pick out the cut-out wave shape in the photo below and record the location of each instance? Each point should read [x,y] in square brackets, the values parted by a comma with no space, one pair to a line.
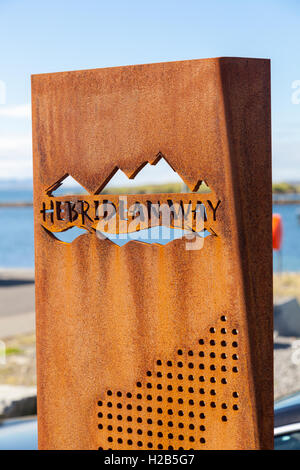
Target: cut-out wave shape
[69,235]
[159,235]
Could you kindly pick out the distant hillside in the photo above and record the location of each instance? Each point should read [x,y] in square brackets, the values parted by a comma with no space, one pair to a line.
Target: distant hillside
[154,189]
[26,184]
[285,188]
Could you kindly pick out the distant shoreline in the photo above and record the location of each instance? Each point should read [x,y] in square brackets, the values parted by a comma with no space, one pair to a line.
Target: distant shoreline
[280,202]
[16,204]
[284,202]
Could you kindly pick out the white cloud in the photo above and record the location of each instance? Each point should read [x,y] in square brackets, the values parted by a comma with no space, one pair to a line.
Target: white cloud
[286,159]
[15,169]
[15,145]
[19,111]
[15,156]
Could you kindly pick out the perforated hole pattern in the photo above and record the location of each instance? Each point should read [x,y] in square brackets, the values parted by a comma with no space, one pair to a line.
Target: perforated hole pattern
[174,404]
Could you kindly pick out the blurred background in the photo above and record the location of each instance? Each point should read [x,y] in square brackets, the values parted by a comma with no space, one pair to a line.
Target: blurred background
[53,36]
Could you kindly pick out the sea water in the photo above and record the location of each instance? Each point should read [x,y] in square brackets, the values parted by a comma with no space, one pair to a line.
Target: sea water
[17,243]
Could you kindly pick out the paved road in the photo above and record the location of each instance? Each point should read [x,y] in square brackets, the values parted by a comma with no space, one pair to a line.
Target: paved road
[16,302]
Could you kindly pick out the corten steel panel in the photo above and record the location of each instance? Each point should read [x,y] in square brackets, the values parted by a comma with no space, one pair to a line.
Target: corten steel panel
[148,346]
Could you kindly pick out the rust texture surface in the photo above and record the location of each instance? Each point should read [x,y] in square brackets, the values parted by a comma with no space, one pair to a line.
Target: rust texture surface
[148,346]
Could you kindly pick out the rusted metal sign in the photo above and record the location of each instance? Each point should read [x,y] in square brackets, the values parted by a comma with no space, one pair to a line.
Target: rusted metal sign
[155,345]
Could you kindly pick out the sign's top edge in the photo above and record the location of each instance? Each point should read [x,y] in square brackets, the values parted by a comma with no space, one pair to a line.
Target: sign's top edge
[211,59]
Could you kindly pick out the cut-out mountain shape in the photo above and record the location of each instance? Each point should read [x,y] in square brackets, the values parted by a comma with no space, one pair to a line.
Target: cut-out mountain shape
[67,185]
[149,176]
[145,175]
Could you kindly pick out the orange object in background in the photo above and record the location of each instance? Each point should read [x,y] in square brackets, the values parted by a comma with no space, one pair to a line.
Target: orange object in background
[277,230]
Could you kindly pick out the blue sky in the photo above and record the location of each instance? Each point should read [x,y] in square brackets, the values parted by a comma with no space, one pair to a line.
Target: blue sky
[51,36]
